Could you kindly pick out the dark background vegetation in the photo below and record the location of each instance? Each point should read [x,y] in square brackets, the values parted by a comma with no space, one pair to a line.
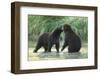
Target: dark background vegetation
[39,24]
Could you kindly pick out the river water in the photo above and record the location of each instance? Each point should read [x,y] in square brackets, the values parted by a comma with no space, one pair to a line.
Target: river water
[40,55]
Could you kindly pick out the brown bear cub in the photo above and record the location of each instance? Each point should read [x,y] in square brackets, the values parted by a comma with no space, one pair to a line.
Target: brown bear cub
[47,40]
[71,40]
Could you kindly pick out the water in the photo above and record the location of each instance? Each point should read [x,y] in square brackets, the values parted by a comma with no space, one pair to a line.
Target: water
[40,55]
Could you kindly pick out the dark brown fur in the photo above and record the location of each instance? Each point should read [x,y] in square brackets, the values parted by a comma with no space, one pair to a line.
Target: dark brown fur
[71,40]
[47,40]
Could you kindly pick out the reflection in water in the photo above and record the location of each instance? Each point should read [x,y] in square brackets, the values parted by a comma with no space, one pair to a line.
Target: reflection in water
[53,55]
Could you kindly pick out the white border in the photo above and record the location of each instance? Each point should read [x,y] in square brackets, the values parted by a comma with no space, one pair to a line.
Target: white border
[24,64]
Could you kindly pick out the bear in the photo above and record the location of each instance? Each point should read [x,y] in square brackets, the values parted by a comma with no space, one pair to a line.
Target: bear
[71,39]
[48,39]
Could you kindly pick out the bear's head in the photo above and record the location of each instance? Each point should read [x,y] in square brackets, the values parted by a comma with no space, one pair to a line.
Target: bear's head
[66,27]
[58,30]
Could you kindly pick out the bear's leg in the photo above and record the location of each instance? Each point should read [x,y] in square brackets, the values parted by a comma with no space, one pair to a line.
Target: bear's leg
[64,46]
[49,47]
[57,47]
[45,49]
[72,50]
[37,48]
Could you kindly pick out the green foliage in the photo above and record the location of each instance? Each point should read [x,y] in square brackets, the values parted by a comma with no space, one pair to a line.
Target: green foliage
[40,24]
